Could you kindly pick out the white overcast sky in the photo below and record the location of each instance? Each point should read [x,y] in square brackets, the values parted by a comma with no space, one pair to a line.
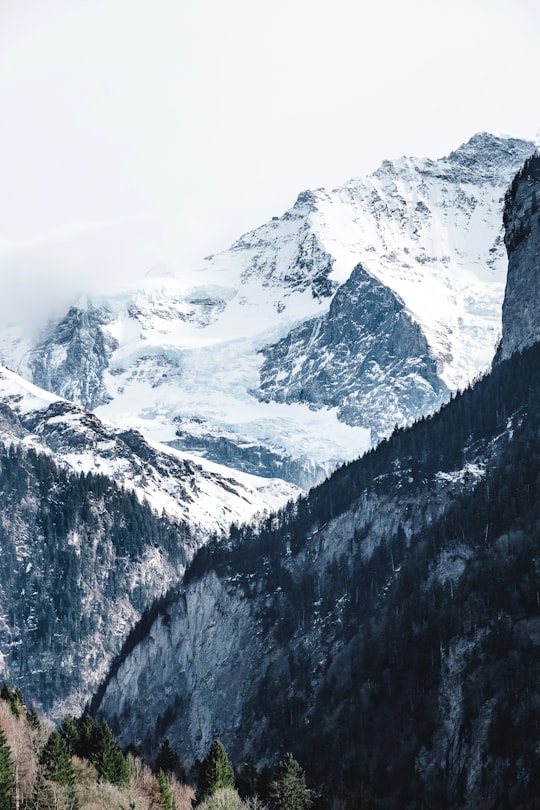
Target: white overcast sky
[143,131]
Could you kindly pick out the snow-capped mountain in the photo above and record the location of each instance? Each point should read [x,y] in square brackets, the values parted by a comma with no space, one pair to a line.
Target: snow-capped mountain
[311,336]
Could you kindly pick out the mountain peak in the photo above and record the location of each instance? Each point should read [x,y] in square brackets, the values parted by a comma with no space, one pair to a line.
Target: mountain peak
[484,153]
[306,199]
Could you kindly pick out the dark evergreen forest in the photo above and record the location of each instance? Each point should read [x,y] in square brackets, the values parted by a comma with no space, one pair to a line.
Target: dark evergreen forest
[67,544]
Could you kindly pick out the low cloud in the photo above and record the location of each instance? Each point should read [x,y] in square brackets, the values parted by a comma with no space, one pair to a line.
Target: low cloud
[41,278]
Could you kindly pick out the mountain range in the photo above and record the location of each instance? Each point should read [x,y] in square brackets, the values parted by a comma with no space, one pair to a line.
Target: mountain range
[155,553]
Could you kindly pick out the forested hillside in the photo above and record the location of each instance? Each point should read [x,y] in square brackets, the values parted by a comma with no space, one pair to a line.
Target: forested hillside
[385,628]
[80,560]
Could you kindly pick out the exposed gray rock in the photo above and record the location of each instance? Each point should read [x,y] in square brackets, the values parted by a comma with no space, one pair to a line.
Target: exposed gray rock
[95,524]
[70,361]
[210,665]
[253,459]
[366,356]
[482,156]
[314,639]
[521,306]
[306,265]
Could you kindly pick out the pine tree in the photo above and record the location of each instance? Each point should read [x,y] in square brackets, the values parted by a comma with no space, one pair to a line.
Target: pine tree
[87,739]
[13,698]
[165,793]
[167,760]
[216,771]
[33,718]
[6,773]
[58,768]
[288,791]
[71,734]
[108,759]
[56,759]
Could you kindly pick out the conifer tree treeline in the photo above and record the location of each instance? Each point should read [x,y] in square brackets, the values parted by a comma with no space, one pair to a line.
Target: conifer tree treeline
[444,441]
[79,766]
[216,771]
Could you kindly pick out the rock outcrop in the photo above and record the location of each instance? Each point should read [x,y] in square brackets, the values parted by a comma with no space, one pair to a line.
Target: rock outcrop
[366,357]
[521,307]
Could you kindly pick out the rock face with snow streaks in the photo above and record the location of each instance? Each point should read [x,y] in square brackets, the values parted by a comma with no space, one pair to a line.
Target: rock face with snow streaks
[366,357]
[82,350]
[204,496]
[95,524]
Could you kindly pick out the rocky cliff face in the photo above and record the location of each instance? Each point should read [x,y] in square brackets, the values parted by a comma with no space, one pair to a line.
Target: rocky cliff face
[375,622]
[83,349]
[80,560]
[521,307]
[367,610]
[204,667]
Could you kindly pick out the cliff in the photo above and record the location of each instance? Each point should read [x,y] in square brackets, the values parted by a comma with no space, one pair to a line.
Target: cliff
[521,306]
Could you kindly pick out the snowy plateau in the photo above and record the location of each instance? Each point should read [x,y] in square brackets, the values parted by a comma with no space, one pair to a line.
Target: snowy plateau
[312,336]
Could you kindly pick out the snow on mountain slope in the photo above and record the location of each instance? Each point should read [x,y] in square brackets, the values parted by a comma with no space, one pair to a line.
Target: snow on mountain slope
[435,237]
[219,361]
[205,496]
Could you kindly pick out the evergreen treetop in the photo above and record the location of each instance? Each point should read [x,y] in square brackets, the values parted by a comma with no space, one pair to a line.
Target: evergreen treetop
[165,793]
[216,771]
[288,790]
[56,759]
